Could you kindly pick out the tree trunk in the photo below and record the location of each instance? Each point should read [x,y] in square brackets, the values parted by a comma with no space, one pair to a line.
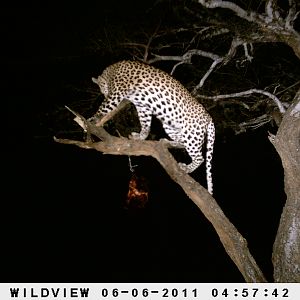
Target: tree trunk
[286,250]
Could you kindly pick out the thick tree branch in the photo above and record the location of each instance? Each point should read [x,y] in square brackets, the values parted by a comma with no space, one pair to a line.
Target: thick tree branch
[271,10]
[291,16]
[247,93]
[233,242]
[229,5]
[255,122]
[272,27]
[286,250]
[186,57]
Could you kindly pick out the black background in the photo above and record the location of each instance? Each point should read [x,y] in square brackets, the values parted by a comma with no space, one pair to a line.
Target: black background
[63,216]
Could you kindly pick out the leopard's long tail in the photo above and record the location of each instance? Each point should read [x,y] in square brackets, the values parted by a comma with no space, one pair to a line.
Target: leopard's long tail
[210,139]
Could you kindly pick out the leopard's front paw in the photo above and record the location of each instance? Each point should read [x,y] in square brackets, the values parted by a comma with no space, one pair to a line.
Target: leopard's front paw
[95,120]
[135,136]
[183,167]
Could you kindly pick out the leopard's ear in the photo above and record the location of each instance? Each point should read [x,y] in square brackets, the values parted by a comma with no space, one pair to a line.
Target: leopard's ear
[95,80]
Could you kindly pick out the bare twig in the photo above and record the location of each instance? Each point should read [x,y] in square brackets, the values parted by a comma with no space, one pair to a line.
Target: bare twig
[247,93]
[291,16]
[175,66]
[210,70]
[247,55]
[217,60]
[289,87]
[146,54]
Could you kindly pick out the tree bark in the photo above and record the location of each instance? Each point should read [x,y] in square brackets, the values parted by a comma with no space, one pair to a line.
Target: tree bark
[286,250]
[233,242]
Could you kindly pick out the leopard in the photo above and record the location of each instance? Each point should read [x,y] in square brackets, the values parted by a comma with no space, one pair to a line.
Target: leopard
[154,92]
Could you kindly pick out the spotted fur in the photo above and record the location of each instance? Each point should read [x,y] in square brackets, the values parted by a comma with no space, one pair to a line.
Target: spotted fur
[156,93]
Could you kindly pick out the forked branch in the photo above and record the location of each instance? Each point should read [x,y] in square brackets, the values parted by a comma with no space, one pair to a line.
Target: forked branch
[247,93]
[273,27]
[233,242]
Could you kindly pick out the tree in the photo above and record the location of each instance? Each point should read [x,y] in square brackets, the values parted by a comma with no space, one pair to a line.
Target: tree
[244,28]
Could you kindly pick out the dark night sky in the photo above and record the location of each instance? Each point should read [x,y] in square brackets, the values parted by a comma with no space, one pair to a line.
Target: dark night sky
[63,221]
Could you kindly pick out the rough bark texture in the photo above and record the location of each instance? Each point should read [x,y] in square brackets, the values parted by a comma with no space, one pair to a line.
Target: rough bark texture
[267,27]
[293,40]
[233,242]
[275,26]
[286,251]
